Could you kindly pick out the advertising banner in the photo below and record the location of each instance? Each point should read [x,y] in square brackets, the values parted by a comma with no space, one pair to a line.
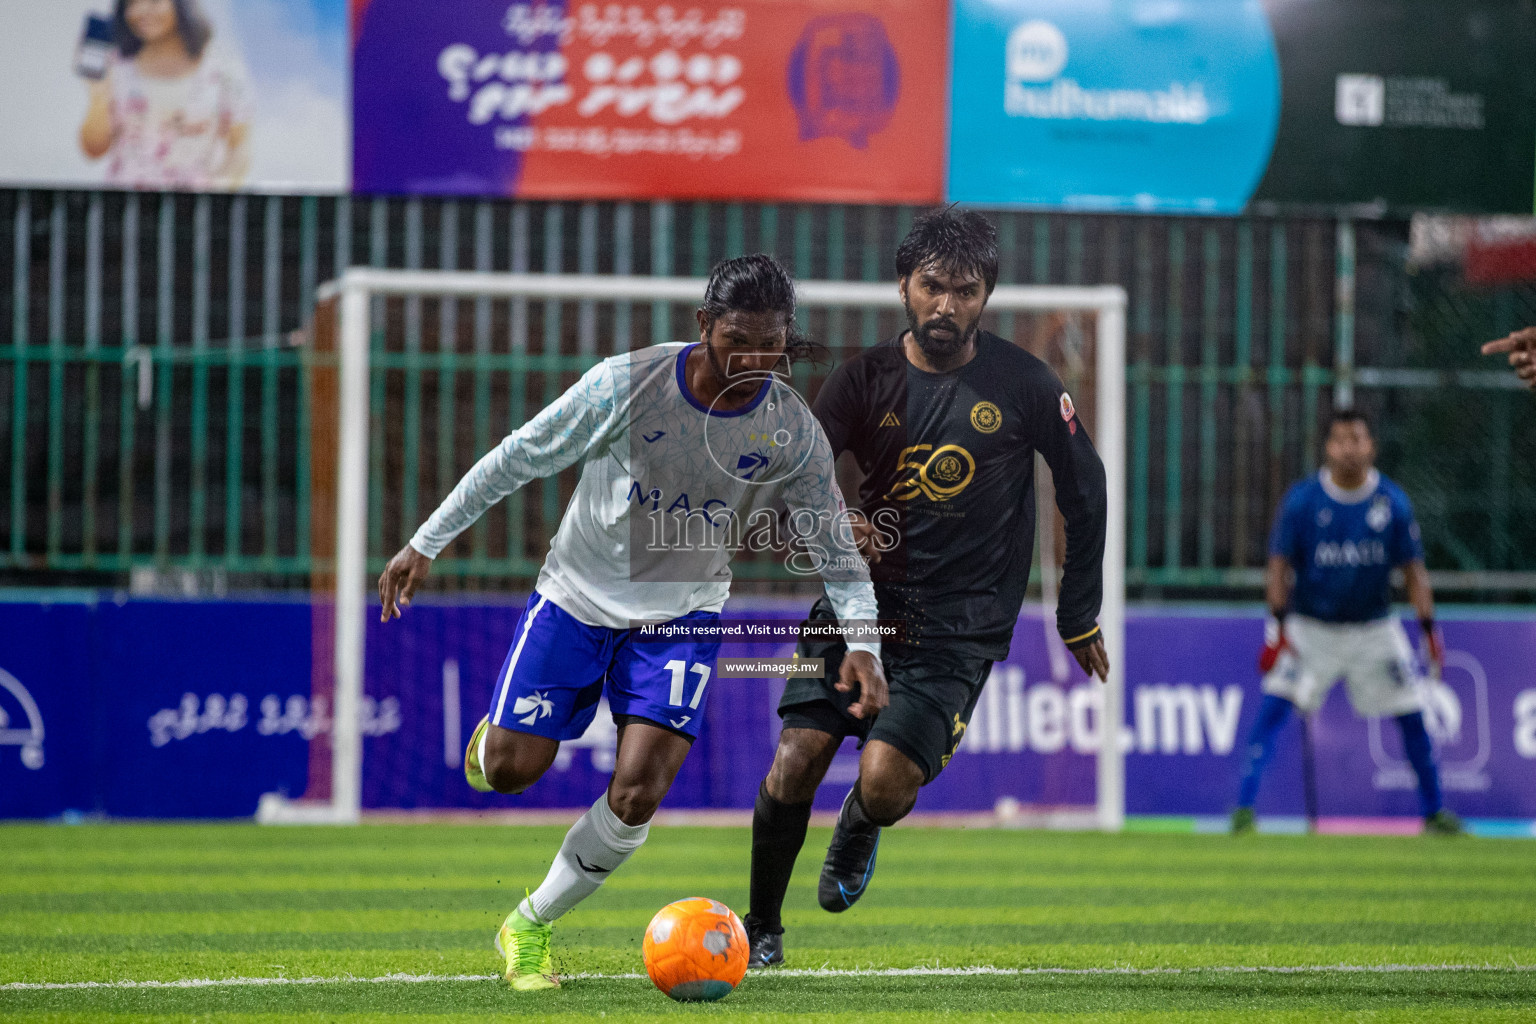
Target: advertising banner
[836,100]
[1217,106]
[1397,105]
[152,709]
[194,709]
[200,95]
[47,704]
[1112,105]
[1193,693]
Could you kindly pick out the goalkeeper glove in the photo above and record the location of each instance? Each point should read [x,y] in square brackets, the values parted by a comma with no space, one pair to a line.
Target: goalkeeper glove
[1274,642]
[1434,644]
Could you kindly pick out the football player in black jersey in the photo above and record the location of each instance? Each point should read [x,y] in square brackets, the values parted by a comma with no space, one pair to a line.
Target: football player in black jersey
[944,421]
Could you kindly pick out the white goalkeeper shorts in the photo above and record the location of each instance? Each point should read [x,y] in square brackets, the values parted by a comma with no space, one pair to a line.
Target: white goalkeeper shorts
[1374,659]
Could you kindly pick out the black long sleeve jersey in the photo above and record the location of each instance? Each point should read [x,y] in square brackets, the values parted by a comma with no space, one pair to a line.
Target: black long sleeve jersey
[948,462]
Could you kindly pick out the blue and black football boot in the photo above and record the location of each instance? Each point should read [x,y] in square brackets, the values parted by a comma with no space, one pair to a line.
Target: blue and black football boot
[850,858]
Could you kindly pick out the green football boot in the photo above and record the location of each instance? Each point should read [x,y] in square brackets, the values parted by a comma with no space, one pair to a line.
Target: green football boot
[473,774]
[1242,821]
[524,944]
[1443,823]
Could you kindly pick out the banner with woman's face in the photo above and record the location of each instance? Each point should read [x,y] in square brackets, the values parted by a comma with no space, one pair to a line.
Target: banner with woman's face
[200,95]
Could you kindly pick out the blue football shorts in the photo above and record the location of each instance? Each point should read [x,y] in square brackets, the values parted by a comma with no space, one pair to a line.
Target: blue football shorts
[558,668]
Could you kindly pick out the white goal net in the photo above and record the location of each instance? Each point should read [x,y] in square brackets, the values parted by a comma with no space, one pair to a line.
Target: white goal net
[414,374]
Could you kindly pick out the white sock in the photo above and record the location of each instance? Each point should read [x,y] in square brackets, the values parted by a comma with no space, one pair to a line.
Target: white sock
[593,849]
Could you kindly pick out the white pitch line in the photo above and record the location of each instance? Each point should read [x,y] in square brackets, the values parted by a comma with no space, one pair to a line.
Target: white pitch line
[782,972]
[344,979]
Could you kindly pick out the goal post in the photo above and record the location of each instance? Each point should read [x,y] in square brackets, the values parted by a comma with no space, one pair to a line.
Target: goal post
[349,305]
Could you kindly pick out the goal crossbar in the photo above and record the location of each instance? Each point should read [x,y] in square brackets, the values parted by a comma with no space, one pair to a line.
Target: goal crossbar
[632,288]
[358,285]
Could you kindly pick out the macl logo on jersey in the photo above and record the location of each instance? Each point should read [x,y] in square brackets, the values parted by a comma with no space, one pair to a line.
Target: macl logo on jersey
[748,465]
[1380,514]
[1349,553]
[1037,53]
[681,503]
[534,707]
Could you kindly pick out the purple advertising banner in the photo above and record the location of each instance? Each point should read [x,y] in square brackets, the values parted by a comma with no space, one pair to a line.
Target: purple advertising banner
[826,100]
[1191,694]
[202,727]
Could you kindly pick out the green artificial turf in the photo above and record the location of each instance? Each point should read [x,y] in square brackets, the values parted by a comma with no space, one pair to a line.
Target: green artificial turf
[1085,926]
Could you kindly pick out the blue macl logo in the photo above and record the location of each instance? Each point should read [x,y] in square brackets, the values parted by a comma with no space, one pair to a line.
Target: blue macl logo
[748,465]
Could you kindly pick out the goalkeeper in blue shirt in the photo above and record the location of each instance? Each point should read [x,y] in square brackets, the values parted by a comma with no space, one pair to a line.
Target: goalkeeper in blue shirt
[1339,535]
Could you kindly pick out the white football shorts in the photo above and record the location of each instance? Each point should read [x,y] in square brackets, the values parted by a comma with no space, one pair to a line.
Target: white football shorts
[1374,659]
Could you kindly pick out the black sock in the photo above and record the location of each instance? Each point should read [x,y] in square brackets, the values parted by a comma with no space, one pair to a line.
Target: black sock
[858,814]
[778,832]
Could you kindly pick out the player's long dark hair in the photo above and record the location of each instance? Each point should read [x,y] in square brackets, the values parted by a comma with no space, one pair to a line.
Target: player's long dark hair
[758,283]
[956,241]
[191,24]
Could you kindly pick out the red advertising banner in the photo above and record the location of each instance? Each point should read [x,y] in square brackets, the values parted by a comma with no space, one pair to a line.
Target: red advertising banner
[823,100]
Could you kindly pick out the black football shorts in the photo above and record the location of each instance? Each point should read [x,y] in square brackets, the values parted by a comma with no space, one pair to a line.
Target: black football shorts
[933,693]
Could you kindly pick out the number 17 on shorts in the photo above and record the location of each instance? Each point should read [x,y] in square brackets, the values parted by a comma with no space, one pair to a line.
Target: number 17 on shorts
[558,668]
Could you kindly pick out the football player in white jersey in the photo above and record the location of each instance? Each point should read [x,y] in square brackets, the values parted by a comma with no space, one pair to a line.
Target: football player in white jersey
[680,445]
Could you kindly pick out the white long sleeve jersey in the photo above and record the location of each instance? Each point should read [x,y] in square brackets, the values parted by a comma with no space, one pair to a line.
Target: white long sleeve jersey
[669,488]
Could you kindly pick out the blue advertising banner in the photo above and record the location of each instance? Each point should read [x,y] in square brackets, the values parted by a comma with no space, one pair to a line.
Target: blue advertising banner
[46,699]
[189,709]
[191,698]
[1116,104]
[163,709]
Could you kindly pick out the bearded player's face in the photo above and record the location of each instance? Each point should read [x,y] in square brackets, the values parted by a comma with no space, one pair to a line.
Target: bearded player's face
[943,309]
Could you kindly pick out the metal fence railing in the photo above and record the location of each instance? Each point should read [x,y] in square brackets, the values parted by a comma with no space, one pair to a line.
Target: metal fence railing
[155,406]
